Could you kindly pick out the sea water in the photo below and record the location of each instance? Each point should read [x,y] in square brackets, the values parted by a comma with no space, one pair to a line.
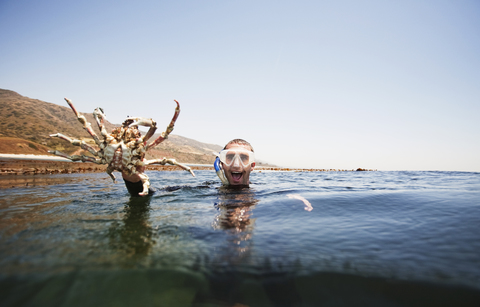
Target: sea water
[291,239]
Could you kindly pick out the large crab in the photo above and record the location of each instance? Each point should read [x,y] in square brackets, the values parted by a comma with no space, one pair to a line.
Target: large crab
[124,148]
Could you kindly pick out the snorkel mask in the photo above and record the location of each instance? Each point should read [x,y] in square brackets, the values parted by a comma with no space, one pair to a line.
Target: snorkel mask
[234,156]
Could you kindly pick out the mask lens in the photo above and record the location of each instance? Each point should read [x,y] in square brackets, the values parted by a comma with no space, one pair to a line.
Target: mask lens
[229,157]
[245,158]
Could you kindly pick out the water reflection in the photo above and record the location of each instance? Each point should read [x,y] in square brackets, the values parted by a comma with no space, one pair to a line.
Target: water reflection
[234,218]
[133,235]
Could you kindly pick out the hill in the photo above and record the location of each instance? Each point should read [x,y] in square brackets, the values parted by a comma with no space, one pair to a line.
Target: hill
[26,125]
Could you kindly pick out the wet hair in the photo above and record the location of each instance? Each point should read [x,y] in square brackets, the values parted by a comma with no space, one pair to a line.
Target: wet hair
[239,142]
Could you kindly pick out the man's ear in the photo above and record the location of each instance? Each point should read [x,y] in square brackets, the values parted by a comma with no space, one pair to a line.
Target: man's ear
[253,165]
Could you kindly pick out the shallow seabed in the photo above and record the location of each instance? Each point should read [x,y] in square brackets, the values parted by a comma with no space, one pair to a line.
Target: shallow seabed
[292,239]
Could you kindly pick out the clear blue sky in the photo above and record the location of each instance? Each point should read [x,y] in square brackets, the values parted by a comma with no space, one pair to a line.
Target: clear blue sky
[388,85]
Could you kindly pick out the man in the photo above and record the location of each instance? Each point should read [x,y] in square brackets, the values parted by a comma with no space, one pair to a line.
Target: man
[237,161]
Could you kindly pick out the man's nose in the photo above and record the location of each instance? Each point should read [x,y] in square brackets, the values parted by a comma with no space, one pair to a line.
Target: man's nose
[236,162]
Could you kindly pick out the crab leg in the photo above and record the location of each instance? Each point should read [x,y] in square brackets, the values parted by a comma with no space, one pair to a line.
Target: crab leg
[169,161]
[86,125]
[110,170]
[164,134]
[100,118]
[76,142]
[145,183]
[82,158]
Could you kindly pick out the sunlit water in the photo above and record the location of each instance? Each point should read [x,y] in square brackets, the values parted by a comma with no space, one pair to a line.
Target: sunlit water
[357,239]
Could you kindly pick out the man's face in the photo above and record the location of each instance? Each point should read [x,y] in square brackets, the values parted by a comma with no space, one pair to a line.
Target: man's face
[237,173]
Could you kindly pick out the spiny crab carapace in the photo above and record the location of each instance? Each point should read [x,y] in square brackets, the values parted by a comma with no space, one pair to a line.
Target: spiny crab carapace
[124,148]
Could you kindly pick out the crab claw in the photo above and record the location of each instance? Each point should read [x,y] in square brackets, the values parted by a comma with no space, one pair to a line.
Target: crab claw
[140,121]
[98,112]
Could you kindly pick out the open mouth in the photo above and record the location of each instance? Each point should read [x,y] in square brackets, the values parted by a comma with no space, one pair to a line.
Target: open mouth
[236,176]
